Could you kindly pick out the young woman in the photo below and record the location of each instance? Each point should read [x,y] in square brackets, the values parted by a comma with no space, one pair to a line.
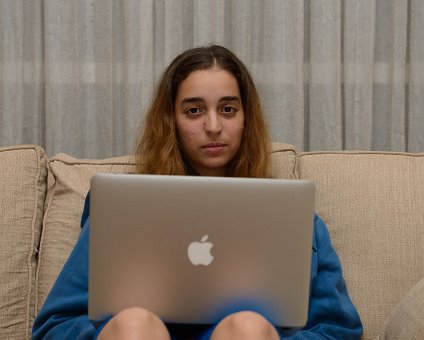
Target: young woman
[205,119]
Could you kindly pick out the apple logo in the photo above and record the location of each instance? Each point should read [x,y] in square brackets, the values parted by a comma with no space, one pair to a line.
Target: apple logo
[200,252]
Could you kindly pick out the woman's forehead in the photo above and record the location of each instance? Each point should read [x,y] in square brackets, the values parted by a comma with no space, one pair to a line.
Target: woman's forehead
[211,83]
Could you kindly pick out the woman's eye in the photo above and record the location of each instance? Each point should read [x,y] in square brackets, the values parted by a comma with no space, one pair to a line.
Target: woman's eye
[193,111]
[229,110]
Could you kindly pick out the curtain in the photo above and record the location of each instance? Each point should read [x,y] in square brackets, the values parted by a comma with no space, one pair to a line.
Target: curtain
[77,76]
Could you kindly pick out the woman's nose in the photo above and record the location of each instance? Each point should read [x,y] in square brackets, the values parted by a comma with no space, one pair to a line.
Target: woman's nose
[212,123]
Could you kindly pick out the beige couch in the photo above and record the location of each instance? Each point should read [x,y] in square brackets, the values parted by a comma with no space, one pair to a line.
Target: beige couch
[373,204]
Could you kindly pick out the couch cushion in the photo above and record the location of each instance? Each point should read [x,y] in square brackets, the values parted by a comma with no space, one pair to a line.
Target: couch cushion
[407,319]
[283,161]
[23,173]
[373,205]
[68,184]
[69,180]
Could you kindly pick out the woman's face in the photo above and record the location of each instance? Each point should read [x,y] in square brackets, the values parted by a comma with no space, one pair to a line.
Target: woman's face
[209,120]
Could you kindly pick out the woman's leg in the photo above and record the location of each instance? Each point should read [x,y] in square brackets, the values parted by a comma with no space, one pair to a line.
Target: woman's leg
[134,323]
[244,325]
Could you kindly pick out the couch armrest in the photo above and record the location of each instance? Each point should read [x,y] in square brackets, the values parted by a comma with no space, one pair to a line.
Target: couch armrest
[23,172]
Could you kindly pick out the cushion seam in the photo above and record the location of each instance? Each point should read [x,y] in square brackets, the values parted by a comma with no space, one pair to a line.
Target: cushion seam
[31,251]
[345,152]
[40,252]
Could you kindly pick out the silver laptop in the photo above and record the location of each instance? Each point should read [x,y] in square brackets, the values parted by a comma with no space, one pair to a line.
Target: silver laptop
[195,249]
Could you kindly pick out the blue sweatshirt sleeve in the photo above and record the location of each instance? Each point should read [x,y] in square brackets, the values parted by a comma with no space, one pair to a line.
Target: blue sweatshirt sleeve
[64,314]
[332,314]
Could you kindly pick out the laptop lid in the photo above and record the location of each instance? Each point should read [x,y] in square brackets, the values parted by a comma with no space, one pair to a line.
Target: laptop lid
[195,249]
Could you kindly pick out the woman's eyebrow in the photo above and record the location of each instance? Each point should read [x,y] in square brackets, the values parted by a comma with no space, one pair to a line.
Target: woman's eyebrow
[191,100]
[200,99]
[230,99]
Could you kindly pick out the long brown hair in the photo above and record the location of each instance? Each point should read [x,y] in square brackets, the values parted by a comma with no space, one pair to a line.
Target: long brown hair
[158,151]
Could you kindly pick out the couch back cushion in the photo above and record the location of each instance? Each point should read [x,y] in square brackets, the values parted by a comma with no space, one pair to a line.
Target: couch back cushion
[373,205]
[23,173]
[68,184]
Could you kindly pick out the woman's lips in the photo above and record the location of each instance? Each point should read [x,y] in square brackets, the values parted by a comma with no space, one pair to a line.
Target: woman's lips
[214,148]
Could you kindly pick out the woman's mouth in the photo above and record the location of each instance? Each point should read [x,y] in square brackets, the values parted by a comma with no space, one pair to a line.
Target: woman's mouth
[214,148]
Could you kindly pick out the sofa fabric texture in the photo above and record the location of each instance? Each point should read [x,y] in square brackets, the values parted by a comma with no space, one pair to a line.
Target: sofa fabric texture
[68,184]
[406,321]
[23,173]
[371,202]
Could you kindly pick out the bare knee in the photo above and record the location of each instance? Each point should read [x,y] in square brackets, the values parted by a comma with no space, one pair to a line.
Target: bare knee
[245,325]
[135,318]
[134,323]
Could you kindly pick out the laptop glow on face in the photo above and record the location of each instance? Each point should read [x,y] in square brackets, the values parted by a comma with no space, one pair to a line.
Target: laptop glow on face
[195,249]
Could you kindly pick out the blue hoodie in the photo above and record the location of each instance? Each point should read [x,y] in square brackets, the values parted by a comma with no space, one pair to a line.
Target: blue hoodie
[331,313]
